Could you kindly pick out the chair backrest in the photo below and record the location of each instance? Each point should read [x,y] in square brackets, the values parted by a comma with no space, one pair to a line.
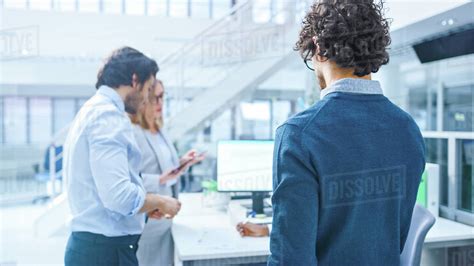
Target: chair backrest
[58,151]
[421,222]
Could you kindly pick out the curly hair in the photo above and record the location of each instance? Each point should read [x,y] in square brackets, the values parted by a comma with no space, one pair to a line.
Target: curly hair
[351,33]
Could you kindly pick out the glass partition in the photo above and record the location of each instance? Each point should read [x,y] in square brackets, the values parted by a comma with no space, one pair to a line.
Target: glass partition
[466,175]
[437,152]
[453,152]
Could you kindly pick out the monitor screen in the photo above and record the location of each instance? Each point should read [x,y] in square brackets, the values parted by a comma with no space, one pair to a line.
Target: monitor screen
[244,165]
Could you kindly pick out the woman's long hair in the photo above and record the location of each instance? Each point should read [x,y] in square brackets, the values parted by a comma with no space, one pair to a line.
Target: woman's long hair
[140,117]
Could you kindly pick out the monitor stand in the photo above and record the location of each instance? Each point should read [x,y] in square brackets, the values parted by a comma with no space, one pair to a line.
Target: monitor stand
[257,202]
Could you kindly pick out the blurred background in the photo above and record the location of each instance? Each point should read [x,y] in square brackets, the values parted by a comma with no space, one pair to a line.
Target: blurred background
[229,73]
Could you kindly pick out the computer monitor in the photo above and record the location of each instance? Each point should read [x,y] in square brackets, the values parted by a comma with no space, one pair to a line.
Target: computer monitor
[245,166]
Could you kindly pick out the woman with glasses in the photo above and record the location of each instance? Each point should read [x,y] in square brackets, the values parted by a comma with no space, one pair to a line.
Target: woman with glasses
[160,170]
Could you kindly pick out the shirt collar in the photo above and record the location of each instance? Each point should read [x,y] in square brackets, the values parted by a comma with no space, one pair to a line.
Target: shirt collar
[351,85]
[112,95]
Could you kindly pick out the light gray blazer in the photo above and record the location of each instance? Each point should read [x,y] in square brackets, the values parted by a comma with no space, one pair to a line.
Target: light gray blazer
[156,245]
[152,161]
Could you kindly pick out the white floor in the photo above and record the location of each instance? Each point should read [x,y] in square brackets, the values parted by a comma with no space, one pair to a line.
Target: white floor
[18,243]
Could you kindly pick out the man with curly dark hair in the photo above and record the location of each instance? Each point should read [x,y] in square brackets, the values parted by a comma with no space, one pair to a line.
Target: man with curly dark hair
[346,170]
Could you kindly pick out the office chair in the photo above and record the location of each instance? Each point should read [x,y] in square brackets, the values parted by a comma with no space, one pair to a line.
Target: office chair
[45,177]
[421,222]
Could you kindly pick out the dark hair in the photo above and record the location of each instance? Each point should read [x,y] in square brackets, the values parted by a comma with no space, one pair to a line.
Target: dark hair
[120,66]
[351,33]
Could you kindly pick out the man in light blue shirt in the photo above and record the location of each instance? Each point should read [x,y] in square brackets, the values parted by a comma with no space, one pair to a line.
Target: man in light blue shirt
[101,160]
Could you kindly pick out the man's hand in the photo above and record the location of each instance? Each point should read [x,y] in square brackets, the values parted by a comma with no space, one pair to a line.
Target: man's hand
[250,229]
[169,206]
[156,214]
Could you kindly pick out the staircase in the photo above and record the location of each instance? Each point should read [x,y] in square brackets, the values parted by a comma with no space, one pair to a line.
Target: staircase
[209,74]
[225,62]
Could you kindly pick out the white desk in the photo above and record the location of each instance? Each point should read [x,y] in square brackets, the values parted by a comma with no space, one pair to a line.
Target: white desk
[444,235]
[204,236]
[447,233]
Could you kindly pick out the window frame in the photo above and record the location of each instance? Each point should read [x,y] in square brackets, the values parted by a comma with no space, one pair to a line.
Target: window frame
[451,211]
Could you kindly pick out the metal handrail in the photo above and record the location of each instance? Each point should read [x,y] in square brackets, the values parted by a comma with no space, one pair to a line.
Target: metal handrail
[195,41]
[448,134]
[181,68]
[188,45]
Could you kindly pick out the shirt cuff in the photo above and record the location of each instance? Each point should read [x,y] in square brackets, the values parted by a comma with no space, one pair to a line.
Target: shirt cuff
[139,202]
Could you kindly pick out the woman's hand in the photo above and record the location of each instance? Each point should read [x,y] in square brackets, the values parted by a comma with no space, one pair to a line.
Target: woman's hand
[170,175]
[192,157]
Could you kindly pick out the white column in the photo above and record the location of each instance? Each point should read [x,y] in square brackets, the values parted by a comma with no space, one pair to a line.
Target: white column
[391,80]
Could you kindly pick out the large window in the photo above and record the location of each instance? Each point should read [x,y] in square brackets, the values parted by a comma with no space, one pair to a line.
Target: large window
[466,175]
[89,6]
[453,152]
[41,4]
[113,6]
[2,121]
[35,120]
[437,153]
[262,11]
[14,3]
[255,118]
[66,5]
[458,104]
[281,111]
[157,8]
[40,120]
[422,107]
[200,9]
[280,10]
[173,8]
[135,7]
[15,112]
[64,112]
[220,8]
[179,8]
[437,101]
[221,127]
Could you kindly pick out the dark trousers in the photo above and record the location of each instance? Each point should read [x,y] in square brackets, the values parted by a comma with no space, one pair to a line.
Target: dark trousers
[85,248]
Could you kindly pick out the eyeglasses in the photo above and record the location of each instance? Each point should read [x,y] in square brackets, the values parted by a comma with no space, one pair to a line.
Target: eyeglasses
[308,64]
[153,99]
[306,60]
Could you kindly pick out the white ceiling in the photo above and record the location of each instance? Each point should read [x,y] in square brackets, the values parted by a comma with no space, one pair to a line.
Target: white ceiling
[405,12]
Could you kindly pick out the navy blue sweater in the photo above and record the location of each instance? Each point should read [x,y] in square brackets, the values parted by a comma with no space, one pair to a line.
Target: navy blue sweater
[345,174]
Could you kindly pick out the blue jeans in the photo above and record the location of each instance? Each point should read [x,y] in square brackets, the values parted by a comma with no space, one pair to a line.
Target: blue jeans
[84,248]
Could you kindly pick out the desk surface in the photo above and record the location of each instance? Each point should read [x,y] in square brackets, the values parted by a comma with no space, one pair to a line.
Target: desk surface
[205,233]
[446,230]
